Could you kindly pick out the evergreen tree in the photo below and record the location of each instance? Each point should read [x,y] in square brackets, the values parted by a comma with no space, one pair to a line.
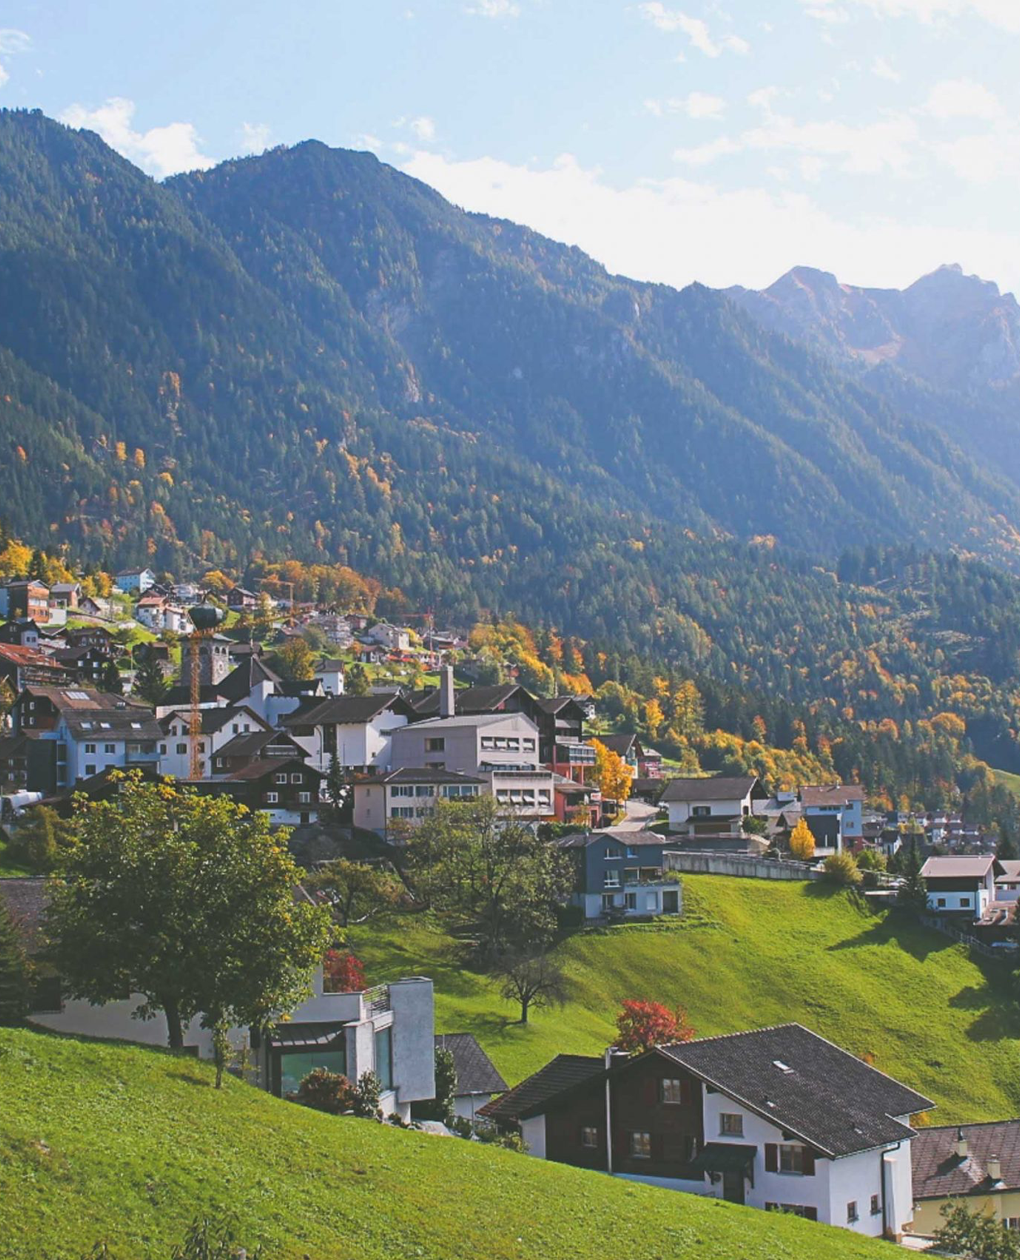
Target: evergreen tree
[913,890]
[150,682]
[15,988]
[357,681]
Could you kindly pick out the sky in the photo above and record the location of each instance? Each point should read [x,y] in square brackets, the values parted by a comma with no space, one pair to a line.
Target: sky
[722,141]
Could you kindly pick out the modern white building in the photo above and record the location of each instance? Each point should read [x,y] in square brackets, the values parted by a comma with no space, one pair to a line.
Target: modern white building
[389,803]
[777,1118]
[358,729]
[131,580]
[961,884]
[834,814]
[388,1029]
[219,726]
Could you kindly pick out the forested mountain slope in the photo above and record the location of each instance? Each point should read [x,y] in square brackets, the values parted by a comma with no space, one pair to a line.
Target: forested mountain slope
[309,354]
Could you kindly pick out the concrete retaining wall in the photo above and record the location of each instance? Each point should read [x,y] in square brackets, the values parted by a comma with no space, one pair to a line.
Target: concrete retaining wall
[696,862]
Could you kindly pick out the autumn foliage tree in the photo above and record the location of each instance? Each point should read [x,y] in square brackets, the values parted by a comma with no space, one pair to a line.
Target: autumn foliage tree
[642,1025]
[611,773]
[802,842]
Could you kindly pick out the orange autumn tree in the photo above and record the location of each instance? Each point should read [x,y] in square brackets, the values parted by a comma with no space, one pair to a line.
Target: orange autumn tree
[802,842]
[642,1025]
[611,773]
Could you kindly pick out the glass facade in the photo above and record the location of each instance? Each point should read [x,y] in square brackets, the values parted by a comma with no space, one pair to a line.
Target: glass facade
[295,1065]
[384,1057]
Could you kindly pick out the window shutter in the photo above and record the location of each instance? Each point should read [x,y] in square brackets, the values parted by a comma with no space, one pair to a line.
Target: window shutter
[651,1092]
[771,1157]
[685,1091]
[809,1163]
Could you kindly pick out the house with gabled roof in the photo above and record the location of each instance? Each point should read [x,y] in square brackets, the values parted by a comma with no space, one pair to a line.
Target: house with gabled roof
[391,802]
[776,1118]
[478,1082]
[217,727]
[960,884]
[711,808]
[619,874]
[974,1164]
[357,730]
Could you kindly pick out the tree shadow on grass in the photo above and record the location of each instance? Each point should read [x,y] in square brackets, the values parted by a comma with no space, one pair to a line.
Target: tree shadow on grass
[899,928]
[999,1018]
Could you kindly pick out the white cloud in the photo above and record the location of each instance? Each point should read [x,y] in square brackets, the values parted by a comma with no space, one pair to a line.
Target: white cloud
[883,69]
[12,42]
[979,159]
[702,154]
[696,30]
[694,105]
[423,128]
[1002,13]
[494,9]
[831,15]
[744,236]
[865,150]
[254,137]
[161,151]
[962,98]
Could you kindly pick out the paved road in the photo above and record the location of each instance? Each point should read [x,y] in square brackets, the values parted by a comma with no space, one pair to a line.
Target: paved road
[638,815]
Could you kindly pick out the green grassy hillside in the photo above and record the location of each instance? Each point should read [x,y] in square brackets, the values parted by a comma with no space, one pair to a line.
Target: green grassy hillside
[749,953]
[1008,779]
[100,1141]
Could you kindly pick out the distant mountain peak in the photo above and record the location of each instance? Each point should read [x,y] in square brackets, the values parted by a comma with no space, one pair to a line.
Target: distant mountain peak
[948,328]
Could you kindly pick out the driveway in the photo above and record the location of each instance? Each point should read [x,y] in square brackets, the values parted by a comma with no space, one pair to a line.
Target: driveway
[638,814]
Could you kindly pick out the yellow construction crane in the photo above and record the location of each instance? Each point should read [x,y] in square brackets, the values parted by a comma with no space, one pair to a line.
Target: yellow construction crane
[205,618]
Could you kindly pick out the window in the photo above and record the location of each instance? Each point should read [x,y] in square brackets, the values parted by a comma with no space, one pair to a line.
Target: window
[589,1137]
[384,1057]
[631,851]
[89,771]
[435,743]
[611,879]
[90,748]
[280,776]
[940,902]
[791,1159]
[297,778]
[162,750]
[630,901]
[851,1212]
[402,811]
[876,1205]
[424,789]
[964,903]
[670,1091]
[109,748]
[295,1067]
[641,1146]
[304,798]
[182,749]
[528,745]
[731,1125]
[612,855]
[1013,1222]
[701,811]
[272,798]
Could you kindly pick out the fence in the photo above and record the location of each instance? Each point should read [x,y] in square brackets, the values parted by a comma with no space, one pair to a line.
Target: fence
[743,866]
[947,929]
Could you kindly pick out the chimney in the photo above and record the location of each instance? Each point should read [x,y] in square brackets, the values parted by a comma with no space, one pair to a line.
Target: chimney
[614,1056]
[994,1168]
[961,1149]
[446,701]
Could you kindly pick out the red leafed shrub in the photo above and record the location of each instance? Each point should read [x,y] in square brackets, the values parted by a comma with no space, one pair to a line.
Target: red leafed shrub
[342,973]
[642,1025]
[326,1091]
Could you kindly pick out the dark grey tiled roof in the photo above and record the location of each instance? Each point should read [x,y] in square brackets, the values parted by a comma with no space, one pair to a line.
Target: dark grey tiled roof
[716,788]
[564,1072]
[632,839]
[341,710]
[938,1171]
[799,1081]
[619,744]
[476,1073]
[466,700]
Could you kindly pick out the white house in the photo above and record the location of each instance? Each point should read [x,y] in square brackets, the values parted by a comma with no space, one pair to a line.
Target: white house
[711,808]
[387,1029]
[78,732]
[219,726]
[776,1118]
[157,613]
[961,884]
[131,580]
[358,730]
[395,638]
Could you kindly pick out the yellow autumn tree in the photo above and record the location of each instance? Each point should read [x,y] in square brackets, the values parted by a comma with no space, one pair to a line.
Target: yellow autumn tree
[611,773]
[802,842]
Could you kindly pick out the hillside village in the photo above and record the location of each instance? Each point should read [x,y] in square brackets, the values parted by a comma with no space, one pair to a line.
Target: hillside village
[359,733]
